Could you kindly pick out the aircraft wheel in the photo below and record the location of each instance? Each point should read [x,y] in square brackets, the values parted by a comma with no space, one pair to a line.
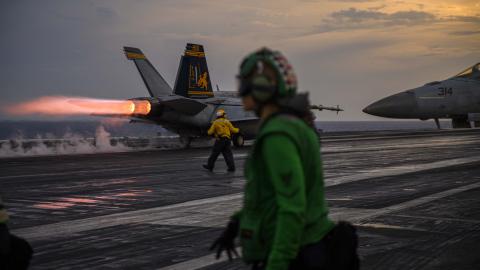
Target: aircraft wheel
[460,122]
[238,140]
[186,142]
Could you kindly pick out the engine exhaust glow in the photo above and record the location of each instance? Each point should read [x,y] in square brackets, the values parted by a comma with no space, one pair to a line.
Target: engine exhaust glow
[141,107]
[79,106]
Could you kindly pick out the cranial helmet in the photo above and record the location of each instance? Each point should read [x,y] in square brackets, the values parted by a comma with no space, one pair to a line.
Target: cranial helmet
[221,113]
[266,75]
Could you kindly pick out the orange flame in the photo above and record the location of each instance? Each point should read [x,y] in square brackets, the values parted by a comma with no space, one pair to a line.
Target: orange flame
[80,106]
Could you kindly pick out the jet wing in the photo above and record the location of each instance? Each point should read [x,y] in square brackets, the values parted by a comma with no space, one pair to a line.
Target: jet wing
[183,105]
[244,120]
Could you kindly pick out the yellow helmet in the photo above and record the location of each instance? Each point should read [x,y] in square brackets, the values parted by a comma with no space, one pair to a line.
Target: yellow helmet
[221,113]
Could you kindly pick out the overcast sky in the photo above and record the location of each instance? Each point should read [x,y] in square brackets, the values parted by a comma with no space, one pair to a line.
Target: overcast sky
[346,52]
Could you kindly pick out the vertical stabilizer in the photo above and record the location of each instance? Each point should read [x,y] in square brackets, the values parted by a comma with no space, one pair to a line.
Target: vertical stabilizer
[193,79]
[156,85]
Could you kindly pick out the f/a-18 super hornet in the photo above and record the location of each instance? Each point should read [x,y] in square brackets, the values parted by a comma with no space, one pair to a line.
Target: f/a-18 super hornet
[190,107]
[457,98]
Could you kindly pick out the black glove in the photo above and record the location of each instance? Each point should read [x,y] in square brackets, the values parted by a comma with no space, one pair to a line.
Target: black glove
[226,241]
[4,240]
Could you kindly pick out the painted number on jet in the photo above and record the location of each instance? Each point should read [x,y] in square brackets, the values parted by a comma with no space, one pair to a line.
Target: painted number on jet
[445,91]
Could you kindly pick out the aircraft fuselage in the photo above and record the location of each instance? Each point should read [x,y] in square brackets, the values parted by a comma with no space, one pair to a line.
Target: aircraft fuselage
[457,98]
[196,125]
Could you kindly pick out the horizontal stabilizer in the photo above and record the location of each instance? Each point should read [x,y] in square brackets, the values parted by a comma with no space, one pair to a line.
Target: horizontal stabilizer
[183,105]
[133,53]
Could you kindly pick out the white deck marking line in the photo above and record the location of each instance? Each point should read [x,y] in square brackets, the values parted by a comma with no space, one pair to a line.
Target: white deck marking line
[399,170]
[75,172]
[416,202]
[442,219]
[151,214]
[386,226]
[198,262]
[343,149]
[66,228]
[464,132]
[362,216]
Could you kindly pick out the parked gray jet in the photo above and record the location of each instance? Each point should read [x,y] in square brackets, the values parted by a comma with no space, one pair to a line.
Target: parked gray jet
[457,98]
[190,107]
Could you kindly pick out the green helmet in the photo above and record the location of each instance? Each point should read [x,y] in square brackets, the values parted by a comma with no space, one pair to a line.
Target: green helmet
[267,75]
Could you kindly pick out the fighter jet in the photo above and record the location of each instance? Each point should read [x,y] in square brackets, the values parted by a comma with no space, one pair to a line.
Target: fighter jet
[190,107]
[456,98]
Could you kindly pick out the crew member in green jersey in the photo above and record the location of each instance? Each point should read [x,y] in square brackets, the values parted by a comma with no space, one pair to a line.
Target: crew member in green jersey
[15,252]
[284,223]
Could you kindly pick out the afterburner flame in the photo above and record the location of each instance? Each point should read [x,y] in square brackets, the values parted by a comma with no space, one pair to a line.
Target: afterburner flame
[142,107]
[79,106]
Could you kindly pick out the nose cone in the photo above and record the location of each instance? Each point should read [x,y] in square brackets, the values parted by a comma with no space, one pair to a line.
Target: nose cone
[401,105]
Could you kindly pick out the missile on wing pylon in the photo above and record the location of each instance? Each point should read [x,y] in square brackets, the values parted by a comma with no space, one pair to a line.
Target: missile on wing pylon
[321,108]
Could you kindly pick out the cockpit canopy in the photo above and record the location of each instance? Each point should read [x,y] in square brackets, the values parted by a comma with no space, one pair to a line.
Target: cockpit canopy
[472,72]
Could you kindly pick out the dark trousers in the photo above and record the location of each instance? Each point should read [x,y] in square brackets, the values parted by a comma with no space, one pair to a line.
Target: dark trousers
[336,251]
[18,254]
[222,145]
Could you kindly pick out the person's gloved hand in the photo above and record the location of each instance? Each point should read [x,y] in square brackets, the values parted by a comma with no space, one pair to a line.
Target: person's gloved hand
[226,241]
[4,240]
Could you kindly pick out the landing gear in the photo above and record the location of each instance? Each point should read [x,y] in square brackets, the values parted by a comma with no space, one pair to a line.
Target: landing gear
[238,140]
[461,122]
[186,141]
[437,122]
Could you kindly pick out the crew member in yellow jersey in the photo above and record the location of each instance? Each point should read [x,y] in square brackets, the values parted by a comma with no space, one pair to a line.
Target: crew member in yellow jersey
[222,130]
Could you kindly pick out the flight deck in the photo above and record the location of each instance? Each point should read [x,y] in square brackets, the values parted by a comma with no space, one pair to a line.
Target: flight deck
[414,197]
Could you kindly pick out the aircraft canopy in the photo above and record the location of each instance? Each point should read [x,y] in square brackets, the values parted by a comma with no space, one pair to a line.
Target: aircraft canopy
[472,72]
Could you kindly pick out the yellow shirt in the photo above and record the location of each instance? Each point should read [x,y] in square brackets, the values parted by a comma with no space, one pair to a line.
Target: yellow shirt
[222,128]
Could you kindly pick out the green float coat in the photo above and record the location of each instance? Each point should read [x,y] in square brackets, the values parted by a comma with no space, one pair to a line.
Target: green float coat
[284,204]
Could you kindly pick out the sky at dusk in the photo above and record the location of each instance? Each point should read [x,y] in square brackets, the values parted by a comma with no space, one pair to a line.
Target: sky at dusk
[346,52]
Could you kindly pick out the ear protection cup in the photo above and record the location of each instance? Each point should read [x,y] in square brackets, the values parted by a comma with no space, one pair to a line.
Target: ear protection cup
[262,88]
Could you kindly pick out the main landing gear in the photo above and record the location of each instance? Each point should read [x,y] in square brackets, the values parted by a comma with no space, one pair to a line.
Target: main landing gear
[238,140]
[186,141]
